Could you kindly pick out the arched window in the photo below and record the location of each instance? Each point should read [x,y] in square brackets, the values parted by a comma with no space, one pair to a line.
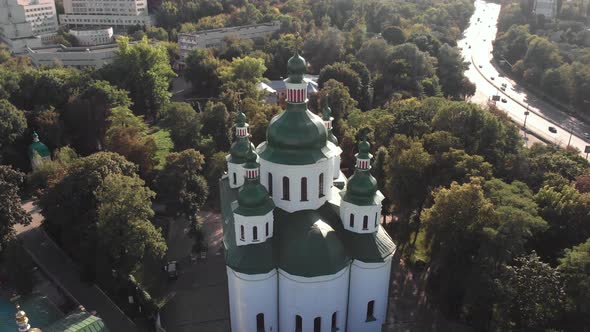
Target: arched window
[266,229]
[335,321]
[298,324]
[242,232]
[366,222]
[254,233]
[370,309]
[303,189]
[260,322]
[375,220]
[285,188]
[351,223]
[321,182]
[235,178]
[269,184]
[317,324]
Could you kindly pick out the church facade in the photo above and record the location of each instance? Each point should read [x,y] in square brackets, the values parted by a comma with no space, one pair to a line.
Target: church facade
[304,248]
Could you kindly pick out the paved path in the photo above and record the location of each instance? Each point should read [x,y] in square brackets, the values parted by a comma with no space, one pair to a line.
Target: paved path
[63,272]
[199,298]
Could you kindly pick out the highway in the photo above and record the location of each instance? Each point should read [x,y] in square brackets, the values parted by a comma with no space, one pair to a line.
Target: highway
[477,48]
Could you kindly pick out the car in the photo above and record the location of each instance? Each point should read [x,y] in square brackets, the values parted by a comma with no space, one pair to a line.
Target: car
[480,66]
[504,100]
[492,78]
[586,135]
[172,269]
[503,88]
[552,129]
[469,46]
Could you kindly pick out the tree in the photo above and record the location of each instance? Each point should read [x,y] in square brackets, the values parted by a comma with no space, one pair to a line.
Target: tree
[574,267]
[450,71]
[234,47]
[181,184]
[374,53]
[12,123]
[340,101]
[157,33]
[202,71]
[123,226]
[135,146]
[532,295]
[323,47]
[11,212]
[394,35]
[216,123]
[343,73]
[144,71]
[184,125]
[408,67]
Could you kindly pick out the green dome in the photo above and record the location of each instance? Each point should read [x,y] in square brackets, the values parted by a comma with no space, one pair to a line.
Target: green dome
[309,246]
[361,188]
[327,116]
[239,150]
[250,159]
[364,149]
[241,119]
[37,147]
[296,68]
[253,199]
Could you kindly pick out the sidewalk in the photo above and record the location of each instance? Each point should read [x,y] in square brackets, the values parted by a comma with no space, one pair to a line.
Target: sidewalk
[59,267]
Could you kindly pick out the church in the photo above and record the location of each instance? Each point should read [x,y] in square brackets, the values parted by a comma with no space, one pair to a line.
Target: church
[304,248]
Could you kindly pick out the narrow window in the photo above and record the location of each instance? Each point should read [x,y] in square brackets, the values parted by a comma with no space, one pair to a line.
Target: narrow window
[285,188]
[266,229]
[321,191]
[317,324]
[370,307]
[303,189]
[375,220]
[351,223]
[255,233]
[260,323]
[269,184]
[235,178]
[242,232]
[298,324]
[365,222]
[334,322]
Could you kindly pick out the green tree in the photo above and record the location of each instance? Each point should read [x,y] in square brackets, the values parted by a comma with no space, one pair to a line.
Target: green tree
[574,267]
[216,124]
[181,184]
[234,47]
[12,123]
[184,125]
[408,67]
[11,212]
[374,53]
[123,225]
[144,71]
[394,35]
[343,73]
[450,71]
[323,47]
[202,71]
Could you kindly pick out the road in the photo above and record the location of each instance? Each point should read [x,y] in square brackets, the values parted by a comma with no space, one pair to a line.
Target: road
[477,48]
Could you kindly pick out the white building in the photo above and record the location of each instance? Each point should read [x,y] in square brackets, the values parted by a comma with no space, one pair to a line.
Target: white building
[94,56]
[304,249]
[214,38]
[25,23]
[115,13]
[91,37]
[547,8]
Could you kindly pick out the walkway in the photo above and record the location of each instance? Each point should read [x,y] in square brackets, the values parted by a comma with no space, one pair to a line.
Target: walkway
[63,272]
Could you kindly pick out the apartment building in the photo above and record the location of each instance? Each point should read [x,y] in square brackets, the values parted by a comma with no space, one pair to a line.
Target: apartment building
[116,13]
[214,38]
[27,23]
[547,8]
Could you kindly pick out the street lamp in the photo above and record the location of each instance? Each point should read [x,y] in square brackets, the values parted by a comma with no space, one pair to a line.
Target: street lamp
[526,114]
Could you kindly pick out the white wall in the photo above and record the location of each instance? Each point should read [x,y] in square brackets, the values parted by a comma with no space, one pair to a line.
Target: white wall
[238,170]
[371,211]
[311,298]
[368,282]
[295,173]
[250,295]
[249,223]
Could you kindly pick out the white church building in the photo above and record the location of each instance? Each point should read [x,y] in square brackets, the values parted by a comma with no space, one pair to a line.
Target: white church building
[304,248]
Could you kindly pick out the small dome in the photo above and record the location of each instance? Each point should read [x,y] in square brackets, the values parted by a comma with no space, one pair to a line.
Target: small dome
[39,148]
[239,150]
[361,186]
[241,119]
[251,158]
[252,194]
[296,68]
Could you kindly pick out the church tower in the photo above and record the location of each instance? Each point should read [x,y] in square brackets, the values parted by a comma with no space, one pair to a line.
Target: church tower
[294,259]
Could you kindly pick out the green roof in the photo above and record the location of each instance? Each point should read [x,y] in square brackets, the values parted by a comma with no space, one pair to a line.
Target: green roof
[296,68]
[239,150]
[253,199]
[80,321]
[41,149]
[360,189]
[305,243]
[295,137]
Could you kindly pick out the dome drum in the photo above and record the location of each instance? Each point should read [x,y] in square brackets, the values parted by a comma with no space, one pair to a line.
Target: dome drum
[360,219]
[236,173]
[253,229]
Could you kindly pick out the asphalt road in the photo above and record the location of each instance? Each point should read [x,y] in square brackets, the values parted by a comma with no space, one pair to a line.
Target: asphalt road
[477,48]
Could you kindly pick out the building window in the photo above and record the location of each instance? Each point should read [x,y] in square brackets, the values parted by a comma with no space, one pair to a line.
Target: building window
[370,309]
[266,229]
[317,324]
[303,189]
[298,324]
[334,322]
[269,184]
[235,178]
[365,222]
[254,233]
[260,322]
[285,188]
[321,182]
[375,220]
[242,232]
[351,223]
